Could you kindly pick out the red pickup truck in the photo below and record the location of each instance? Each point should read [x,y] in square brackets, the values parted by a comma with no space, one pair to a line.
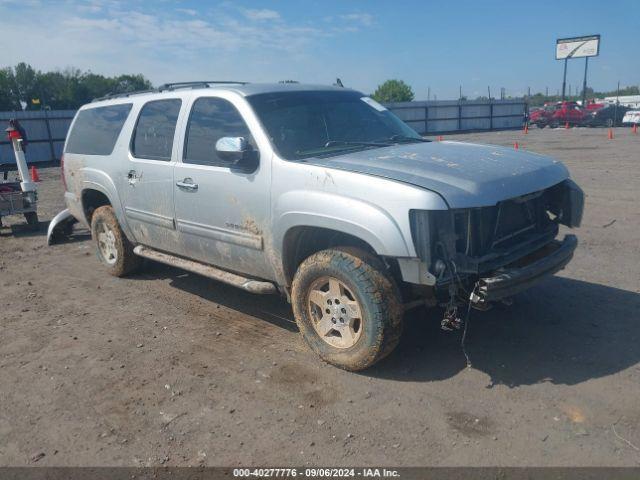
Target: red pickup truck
[559,114]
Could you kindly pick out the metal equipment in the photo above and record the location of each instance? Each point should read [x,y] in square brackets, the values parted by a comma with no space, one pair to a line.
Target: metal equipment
[19,197]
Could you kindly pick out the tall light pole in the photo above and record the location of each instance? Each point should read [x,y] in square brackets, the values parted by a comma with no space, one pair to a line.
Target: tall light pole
[584,81]
[564,79]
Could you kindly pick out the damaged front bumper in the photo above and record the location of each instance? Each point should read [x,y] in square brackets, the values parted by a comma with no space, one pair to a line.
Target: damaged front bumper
[527,271]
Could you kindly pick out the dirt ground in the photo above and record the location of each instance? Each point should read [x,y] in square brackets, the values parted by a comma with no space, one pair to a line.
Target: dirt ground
[166,367]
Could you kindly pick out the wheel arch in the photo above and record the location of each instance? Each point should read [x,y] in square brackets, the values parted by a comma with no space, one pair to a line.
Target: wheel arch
[91,199]
[94,195]
[302,241]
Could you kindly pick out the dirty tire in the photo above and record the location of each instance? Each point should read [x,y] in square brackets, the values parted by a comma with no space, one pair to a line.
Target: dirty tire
[126,261]
[31,218]
[366,278]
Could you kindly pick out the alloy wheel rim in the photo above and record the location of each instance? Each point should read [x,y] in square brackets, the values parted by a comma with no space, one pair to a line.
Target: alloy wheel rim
[107,244]
[335,312]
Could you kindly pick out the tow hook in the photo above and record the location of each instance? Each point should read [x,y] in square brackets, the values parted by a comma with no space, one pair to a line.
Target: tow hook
[479,303]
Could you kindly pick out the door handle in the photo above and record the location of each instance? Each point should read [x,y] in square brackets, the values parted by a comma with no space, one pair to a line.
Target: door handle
[187,184]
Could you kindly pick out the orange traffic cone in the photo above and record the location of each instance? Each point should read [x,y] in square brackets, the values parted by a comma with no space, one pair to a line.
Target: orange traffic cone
[526,128]
[34,174]
[566,125]
[634,129]
[515,145]
[610,135]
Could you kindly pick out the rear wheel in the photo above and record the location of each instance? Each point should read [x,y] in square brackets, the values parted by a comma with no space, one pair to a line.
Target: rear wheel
[112,246]
[347,307]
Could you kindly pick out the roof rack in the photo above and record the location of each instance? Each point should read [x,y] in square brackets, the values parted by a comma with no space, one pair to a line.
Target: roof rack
[109,96]
[167,87]
[200,84]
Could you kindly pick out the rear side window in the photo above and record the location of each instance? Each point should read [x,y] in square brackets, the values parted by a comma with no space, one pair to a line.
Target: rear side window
[211,119]
[154,132]
[96,130]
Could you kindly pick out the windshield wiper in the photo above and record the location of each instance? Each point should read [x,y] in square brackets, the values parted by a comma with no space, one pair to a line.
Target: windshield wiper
[332,143]
[406,138]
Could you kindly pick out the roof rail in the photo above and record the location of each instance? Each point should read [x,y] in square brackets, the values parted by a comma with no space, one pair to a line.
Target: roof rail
[199,84]
[110,96]
[167,87]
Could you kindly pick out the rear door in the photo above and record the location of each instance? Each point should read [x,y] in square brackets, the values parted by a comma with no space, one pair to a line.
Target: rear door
[221,211]
[147,183]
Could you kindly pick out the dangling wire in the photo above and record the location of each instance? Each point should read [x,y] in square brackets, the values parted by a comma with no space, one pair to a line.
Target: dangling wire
[466,326]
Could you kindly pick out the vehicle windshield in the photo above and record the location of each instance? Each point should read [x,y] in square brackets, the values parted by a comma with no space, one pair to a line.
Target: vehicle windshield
[326,123]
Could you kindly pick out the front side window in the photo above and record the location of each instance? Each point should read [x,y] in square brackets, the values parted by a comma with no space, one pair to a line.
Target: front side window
[156,127]
[96,130]
[324,123]
[211,119]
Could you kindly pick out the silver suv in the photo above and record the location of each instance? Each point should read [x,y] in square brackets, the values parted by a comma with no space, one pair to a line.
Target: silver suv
[320,194]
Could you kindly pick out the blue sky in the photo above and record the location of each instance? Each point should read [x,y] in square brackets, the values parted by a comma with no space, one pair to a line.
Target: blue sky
[428,44]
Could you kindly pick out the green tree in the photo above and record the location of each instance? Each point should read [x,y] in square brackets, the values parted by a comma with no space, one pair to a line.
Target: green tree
[130,83]
[8,98]
[393,91]
[26,83]
[67,89]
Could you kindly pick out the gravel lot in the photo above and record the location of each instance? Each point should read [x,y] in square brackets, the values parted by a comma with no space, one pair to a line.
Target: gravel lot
[166,367]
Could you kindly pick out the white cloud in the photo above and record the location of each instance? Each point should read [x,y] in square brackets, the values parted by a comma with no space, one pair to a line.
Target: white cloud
[187,11]
[168,44]
[261,14]
[364,19]
[83,23]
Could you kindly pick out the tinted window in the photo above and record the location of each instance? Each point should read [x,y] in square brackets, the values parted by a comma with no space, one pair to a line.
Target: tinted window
[210,120]
[153,136]
[96,130]
[306,124]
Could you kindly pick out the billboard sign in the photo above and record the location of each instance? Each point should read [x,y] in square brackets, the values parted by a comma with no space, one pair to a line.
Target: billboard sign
[577,47]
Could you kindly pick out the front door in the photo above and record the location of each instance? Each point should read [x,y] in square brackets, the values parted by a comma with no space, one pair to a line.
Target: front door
[221,211]
[148,182]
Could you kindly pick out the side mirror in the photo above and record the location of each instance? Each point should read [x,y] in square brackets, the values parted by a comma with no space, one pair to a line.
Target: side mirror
[234,149]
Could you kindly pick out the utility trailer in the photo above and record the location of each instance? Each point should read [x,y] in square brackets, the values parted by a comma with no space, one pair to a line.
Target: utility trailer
[13,201]
[19,197]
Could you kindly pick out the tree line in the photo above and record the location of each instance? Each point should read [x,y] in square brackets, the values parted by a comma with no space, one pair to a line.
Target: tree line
[24,88]
[399,91]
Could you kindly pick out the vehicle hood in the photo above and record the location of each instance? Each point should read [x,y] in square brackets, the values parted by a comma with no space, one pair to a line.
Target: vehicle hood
[464,174]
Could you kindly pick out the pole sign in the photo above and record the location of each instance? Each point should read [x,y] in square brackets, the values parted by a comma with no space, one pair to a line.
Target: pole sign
[577,47]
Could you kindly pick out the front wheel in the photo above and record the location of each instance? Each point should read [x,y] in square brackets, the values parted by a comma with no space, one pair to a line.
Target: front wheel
[347,307]
[112,246]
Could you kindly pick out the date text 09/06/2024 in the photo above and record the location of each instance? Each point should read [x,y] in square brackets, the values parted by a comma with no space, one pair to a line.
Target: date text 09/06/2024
[315,472]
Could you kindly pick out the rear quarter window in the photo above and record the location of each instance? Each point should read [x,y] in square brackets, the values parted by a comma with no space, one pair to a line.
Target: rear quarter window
[155,129]
[96,130]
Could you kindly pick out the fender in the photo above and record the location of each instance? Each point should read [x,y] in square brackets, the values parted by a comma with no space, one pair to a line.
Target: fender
[303,208]
[94,179]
